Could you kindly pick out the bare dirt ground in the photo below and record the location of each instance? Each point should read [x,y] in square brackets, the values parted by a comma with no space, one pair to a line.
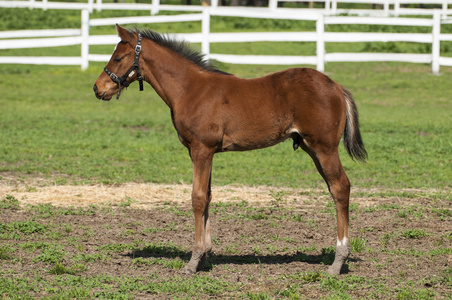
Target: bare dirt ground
[266,239]
[149,195]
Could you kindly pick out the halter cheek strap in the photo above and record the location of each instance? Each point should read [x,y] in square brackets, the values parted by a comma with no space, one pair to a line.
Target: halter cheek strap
[122,81]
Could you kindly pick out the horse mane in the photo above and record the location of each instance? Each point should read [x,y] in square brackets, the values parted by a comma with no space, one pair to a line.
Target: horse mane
[181,47]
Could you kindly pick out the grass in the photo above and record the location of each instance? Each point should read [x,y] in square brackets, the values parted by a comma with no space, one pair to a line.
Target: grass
[58,130]
[9,202]
[414,233]
[53,130]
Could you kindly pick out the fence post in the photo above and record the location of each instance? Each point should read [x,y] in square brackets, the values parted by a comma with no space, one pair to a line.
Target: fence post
[273,4]
[327,6]
[445,6]
[90,5]
[386,7]
[44,4]
[396,8]
[436,31]
[99,5]
[214,4]
[155,7]
[85,39]
[205,44]
[320,29]
[334,6]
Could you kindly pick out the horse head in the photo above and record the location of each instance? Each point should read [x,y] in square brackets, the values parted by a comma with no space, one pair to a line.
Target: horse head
[124,62]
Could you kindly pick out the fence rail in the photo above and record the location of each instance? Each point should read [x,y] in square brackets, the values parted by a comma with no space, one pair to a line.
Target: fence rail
[388,7]
[82,37]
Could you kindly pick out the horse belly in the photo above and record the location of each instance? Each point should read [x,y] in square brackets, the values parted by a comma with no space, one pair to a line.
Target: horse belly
[250,138]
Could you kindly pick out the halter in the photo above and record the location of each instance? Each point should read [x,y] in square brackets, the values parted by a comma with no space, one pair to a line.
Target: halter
[123,80]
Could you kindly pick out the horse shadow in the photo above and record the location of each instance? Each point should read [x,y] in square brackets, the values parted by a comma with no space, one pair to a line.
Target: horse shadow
[326,257]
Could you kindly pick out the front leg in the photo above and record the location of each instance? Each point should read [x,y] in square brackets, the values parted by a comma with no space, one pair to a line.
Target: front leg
[202,157]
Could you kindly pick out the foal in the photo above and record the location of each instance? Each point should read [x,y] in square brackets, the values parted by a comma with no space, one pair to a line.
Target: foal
[213,111]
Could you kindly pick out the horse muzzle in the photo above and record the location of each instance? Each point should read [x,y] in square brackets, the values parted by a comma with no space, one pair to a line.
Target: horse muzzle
[101,95]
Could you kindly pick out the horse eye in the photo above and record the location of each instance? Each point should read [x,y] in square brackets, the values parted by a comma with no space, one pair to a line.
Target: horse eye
[118,59]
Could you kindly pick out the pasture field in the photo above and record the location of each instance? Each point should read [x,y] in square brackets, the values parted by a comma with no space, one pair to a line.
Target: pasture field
[52,125]
[55,135]
[53,129]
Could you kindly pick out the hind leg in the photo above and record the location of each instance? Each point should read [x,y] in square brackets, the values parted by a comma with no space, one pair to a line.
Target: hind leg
[330,167]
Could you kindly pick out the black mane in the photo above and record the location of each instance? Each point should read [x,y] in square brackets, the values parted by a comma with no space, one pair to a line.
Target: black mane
[181,47]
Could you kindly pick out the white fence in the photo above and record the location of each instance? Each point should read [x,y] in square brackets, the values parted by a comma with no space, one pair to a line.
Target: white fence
[205,37]
[388,7]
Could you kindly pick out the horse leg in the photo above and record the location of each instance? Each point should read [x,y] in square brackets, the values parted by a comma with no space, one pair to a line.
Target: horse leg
[207,236]
[206,217]
[330,167]
[202,164]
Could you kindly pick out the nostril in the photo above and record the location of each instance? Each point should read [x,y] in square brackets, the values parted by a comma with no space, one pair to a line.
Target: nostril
[95,89]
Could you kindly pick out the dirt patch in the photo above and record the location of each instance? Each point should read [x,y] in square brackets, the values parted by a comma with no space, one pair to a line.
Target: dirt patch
[268,242]
[142,195]
[149,195]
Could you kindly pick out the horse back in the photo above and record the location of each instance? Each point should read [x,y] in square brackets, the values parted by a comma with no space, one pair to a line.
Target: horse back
[234,114]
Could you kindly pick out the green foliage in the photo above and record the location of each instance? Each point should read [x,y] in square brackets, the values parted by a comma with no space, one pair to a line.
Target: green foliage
[52,255]
[25,227]
[414,233]
[408,293]
[357,244]
[9,202]
[249,24]
[298,218]
[312,276]
[334,284]
[15,19]
[5,252]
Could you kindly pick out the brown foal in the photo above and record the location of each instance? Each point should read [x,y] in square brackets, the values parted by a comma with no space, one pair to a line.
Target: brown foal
[213,111]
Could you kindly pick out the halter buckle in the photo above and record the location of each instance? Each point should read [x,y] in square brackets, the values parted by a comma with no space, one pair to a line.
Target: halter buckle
[137,49]
[114,77]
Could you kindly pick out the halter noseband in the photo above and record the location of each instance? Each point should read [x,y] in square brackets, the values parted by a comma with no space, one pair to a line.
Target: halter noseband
[123,80]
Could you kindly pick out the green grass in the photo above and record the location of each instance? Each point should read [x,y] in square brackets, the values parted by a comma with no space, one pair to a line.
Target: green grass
[414,233]
[53,126]
[9,202]
[56,127]
[25,227]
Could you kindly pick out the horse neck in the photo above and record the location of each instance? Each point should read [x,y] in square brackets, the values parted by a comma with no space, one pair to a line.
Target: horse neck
[169,73]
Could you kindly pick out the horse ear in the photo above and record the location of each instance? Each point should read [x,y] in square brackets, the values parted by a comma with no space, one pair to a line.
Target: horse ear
[124,34]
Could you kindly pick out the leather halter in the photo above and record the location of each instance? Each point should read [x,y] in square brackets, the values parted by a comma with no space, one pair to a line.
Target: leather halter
[123,79]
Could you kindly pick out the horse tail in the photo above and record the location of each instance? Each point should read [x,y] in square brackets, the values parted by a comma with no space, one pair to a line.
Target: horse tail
[352,136]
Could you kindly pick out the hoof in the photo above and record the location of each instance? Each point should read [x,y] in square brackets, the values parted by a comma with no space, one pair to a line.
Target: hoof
[189,270]
[334,270]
